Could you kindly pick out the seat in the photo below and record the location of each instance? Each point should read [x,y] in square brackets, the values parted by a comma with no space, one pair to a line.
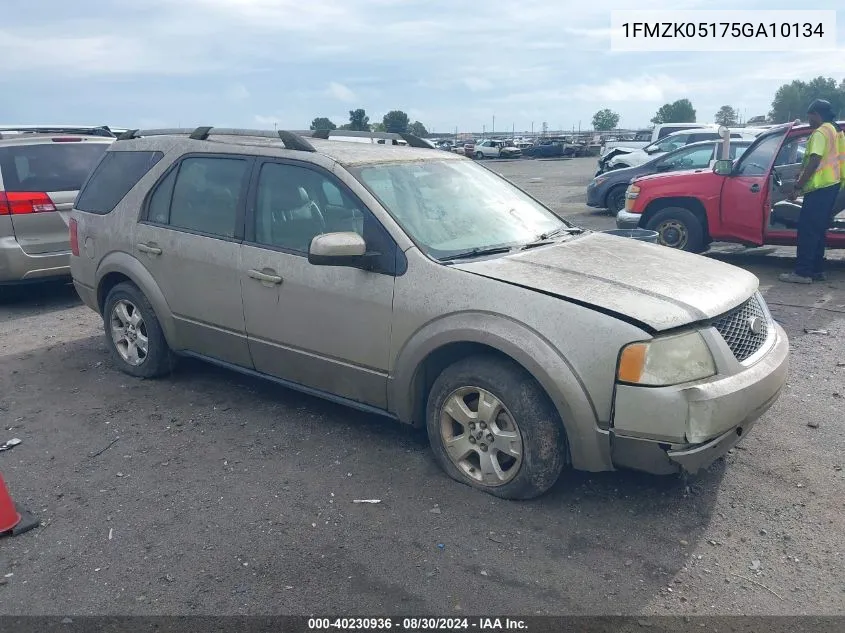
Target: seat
[285,217]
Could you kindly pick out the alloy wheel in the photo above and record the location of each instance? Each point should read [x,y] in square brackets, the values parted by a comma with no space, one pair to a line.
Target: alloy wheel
[480,436]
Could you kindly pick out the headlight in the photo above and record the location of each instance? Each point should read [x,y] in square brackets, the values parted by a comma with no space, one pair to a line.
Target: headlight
[599,180]
[665,361]
[632,192]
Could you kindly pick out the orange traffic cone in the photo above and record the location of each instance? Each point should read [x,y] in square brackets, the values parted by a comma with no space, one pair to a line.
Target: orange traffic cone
[10,519]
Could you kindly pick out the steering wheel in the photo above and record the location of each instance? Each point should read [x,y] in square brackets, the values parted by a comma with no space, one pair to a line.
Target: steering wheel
[316,213]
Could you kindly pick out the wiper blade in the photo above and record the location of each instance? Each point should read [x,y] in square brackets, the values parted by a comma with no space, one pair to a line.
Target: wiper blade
[572,230]
[476,252]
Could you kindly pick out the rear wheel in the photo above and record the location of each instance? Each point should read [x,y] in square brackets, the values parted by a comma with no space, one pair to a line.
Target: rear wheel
[134,335]
[679,228]
[616,199]
[491,426]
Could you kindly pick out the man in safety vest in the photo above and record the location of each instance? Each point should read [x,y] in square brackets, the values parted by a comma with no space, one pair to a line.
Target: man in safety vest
[822,176]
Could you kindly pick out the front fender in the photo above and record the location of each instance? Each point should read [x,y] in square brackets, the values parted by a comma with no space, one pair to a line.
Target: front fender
[588,445]
[117,262]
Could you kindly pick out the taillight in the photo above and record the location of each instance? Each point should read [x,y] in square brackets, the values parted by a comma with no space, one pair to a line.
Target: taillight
[74,237]
[21,202]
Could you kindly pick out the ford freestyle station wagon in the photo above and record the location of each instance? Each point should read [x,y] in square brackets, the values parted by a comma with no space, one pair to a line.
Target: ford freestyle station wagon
[419,285]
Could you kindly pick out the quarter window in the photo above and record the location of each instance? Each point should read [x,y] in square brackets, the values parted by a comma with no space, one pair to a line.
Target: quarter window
[115,176]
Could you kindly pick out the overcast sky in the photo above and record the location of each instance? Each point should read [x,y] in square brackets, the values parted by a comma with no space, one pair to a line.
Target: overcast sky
[448,63]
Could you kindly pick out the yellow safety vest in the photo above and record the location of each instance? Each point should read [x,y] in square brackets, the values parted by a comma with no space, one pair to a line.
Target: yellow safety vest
[842,158]
[830,169]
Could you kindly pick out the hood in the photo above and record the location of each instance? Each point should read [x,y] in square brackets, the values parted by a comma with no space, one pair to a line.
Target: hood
[672,174]
[653,286]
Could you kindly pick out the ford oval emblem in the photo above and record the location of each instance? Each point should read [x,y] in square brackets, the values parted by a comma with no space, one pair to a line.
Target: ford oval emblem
[755,324]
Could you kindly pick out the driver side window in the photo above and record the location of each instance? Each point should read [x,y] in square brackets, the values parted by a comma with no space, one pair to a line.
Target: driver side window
[294,204]
[691,159]
[756,161]
[792,152]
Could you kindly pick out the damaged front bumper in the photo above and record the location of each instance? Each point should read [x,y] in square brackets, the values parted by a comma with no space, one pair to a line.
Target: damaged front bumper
[687,427]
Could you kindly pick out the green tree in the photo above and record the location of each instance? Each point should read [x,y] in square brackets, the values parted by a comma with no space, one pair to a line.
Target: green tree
[726,116]
[359,121]
[378,127]
[604,120]
[396,121]
[680,111]
[791,100]
[418,129]
[322,123]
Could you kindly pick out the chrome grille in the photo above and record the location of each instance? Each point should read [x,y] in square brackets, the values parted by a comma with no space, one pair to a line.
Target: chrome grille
[736,328]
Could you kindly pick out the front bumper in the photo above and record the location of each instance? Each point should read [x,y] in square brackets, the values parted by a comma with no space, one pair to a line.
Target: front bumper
[16,266]
[628,220]
[687,427]
[594,198]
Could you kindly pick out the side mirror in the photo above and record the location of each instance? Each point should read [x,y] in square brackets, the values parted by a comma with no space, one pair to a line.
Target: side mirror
[723,167]
[337,249]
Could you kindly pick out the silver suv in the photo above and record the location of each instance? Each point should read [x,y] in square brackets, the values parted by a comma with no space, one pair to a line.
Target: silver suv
[419,285]
[41,171]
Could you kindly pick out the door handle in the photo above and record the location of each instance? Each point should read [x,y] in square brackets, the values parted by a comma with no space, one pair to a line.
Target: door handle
[152,250]
[755,188]
[257,274]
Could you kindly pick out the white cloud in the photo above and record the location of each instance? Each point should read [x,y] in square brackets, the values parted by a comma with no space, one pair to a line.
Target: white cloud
[340,92]
[268,120]
[477,84]
[644,88]
[237,92]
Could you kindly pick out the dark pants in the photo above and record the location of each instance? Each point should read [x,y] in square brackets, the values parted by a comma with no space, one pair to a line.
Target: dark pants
[813,223]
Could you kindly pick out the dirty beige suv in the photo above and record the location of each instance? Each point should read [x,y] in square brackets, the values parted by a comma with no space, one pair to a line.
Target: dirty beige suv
[421,286]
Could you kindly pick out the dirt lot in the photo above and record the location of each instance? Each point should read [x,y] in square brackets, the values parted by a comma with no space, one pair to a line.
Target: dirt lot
[210,493]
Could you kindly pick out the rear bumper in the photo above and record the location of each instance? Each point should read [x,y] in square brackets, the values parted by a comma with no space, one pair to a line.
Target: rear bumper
[710,416]
[16,266]
[627,220]
[87,294]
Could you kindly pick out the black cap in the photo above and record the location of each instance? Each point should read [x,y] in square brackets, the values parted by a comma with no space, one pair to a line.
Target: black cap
[822,107]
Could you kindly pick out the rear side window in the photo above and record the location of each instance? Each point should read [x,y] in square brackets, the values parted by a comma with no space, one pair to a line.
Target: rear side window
[49,167]
[114,177]
[201,196]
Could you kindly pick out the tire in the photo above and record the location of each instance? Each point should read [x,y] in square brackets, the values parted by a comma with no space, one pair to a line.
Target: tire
[524,411]
[137,312]
[616,199]
[678,228]
[479,155]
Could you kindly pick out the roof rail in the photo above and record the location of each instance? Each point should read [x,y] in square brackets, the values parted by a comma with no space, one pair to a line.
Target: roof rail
[101,130]
[291,140]
[410,139]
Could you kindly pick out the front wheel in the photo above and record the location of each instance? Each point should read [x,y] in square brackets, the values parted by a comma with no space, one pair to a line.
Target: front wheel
[479,155]
[679,228]
[616,199]
[492,427]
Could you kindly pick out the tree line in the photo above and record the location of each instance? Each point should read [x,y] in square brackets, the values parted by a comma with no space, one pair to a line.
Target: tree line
[789,103]
[394,121]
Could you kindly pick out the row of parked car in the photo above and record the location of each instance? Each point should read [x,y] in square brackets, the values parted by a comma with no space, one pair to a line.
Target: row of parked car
[402,281]
[692,195]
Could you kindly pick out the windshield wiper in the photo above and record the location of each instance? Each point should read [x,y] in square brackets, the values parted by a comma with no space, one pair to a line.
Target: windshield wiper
[558,231]
[476,252]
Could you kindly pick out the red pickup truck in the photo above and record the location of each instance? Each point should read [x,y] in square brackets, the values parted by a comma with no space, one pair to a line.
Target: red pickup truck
[744,201]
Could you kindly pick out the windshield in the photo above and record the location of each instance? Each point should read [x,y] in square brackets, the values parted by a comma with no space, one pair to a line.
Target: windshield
[448,207]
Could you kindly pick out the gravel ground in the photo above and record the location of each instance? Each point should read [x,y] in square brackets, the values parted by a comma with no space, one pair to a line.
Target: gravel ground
[211,493]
